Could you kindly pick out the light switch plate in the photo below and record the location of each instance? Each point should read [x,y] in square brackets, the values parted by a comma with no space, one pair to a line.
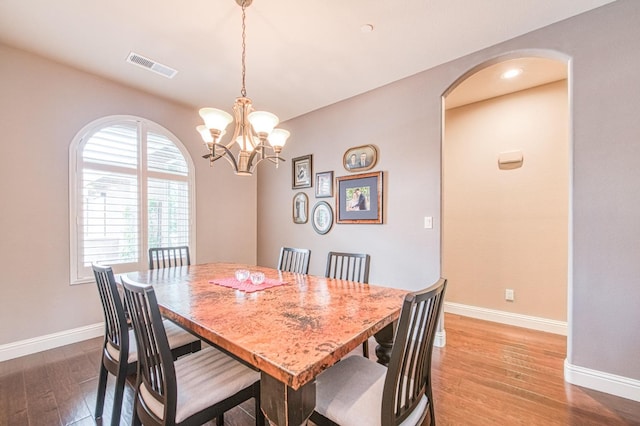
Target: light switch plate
[428,222]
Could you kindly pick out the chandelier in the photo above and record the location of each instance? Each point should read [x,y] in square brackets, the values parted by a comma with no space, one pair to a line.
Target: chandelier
[255,131]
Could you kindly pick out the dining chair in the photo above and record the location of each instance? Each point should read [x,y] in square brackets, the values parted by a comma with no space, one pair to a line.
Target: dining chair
[352,267]
[119,351]
[167,257]
[358,391]
[294,260]
[190,391]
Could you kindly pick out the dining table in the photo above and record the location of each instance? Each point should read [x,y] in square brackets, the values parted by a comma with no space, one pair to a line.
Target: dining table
[291,327]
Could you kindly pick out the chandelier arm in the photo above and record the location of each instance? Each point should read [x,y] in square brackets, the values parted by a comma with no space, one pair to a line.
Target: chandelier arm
[227,155]
[272,158]
[244,133]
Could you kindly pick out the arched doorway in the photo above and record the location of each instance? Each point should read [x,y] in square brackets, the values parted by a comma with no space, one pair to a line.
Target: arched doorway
[506,192]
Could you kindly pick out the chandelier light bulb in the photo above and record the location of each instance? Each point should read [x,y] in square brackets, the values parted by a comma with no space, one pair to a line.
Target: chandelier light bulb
[278,138]
[205,133]
[263,121]
[252,128]
[245,143]
[215,118]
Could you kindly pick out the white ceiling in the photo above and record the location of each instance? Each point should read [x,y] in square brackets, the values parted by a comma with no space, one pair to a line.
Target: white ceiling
[301,54]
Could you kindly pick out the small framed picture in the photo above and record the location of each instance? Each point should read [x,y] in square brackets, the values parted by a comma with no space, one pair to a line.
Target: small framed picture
[360,158]
[324,184]
[322,217]
[300,208]
[359,198]
[302,172]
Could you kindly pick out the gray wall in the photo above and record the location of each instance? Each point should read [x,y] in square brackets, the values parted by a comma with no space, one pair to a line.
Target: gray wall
[404,120]
[42,107]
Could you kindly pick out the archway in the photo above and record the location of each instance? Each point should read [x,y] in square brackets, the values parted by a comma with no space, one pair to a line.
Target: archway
[506,196]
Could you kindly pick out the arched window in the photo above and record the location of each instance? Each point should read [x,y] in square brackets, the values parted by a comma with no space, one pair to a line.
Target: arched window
[131,188]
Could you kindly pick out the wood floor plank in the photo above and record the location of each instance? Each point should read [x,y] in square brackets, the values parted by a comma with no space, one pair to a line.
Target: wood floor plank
[13,399]
[42,408]
[488,374]
[66,388]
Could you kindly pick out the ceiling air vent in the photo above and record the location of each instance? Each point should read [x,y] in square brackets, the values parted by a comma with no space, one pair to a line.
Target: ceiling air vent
[151,65]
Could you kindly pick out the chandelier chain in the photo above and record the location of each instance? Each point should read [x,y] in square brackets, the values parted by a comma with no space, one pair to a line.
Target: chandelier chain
[243,91]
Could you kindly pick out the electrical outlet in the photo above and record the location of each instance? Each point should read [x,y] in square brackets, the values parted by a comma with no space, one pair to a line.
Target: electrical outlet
[509,295]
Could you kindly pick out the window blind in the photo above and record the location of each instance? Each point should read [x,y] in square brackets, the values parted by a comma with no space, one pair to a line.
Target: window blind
[116,190]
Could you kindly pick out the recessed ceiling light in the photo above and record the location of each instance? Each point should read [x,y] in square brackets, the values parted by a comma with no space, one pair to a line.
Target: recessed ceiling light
[366,28]
[511,73]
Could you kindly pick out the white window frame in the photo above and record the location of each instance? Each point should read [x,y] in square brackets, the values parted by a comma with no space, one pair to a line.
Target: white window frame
[75,192]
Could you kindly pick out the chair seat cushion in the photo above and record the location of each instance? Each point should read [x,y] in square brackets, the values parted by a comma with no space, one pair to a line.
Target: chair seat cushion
[350,393]
[176,335]
[206,378]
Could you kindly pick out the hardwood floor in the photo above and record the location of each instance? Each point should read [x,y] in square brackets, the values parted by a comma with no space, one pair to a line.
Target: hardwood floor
[488,374]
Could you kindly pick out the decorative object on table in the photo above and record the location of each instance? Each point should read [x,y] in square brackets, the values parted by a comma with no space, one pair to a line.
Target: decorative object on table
[300,208]
[324,184]
[257,277]
[242,275]
[248,285]
[360,158]
[322,217]
[301,172]
[254,132]
[359,198]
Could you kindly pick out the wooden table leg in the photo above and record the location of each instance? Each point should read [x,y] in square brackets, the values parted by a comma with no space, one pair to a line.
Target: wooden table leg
[284,406]
[384,338]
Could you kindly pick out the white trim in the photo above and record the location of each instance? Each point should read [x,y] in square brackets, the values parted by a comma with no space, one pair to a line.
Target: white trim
[79,275]
[502,317]
[50,341]
[623,387]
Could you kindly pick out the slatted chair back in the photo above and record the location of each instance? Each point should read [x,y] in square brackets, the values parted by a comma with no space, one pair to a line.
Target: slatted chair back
[167,257]
[294,260]
[348,266]
[115,348]
[116,328]
[408,379]
[352,267]
[156,371]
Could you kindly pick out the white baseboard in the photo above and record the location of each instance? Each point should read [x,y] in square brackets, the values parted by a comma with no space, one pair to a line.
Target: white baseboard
[602,382]
[534,323]
[49,341]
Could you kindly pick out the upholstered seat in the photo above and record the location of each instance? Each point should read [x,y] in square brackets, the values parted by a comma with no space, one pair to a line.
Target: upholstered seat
[350,393]
[207,378]
[120,355]
[177,336]
[191,390]
[357,391]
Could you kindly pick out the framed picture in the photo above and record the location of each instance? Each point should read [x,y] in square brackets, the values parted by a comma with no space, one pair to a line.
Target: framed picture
[302,173]
[359,198]
[360,158]
[324,184]
[322,217]
[300,208]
